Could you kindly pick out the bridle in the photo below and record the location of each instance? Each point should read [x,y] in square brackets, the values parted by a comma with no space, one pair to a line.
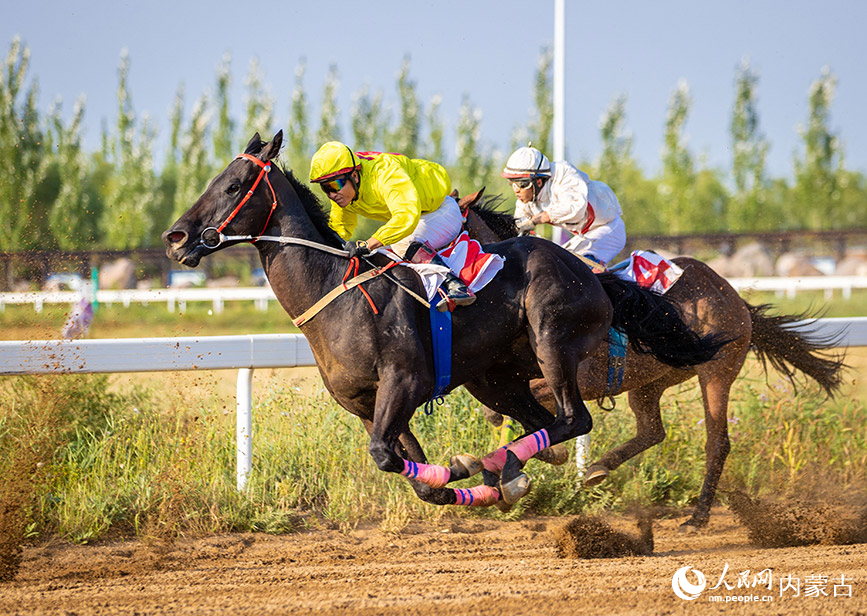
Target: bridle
[265,168]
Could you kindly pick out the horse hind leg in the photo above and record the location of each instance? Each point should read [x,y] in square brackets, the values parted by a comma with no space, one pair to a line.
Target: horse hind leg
[715,389]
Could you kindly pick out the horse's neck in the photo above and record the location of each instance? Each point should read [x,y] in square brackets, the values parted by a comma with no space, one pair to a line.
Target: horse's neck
[298,275]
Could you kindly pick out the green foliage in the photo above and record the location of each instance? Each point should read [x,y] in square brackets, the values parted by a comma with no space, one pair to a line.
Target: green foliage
[543,121]
[224,133]
[406,135]
[53,194]
[748,208]
[330,112]
[23,160]
[163,462]
[298,131]
[260,108]
[127,219]
[368,123]
[819,174]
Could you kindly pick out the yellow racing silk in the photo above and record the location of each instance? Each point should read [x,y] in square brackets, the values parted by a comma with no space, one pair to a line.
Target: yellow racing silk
[395,189]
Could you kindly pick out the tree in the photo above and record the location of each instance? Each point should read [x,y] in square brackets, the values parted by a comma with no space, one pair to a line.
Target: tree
[677,186]
[167,183]
[195,169]
[127,220]
[328,128]
[406,135]
[543,119]
[72,218]
[818,174]
[616,154]
[224,134]
[435,138]
[368,126]
[260,107]
[23,157]
[472,168]
[748,208]
[298,150]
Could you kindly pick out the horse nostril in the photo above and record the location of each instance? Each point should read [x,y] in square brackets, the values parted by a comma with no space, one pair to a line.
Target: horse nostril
[176,237]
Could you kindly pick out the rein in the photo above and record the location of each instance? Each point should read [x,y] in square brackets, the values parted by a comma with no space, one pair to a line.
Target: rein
[217,239]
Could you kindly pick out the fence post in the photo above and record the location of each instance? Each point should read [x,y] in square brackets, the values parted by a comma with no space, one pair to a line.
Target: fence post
[244,426]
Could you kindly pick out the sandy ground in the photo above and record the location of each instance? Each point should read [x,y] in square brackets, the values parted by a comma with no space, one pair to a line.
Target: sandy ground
[458,567]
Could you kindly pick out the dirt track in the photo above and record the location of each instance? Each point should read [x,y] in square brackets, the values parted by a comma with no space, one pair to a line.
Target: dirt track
[459,567]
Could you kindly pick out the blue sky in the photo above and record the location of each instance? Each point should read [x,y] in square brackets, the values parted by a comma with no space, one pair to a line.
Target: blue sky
[486,49]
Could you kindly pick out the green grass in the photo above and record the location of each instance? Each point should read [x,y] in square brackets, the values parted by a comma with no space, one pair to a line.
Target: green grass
[84,459]
[124,463]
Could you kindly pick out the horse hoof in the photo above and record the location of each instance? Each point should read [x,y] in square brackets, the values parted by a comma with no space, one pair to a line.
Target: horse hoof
[465,463]
[556,455]
[512,491]
[691,526]
[595,475]
[503,506]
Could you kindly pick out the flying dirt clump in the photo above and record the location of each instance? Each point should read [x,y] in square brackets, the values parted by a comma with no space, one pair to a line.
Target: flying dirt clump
[794,523]
[593,537]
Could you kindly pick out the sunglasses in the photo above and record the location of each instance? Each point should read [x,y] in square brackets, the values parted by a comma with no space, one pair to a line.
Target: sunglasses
[522,182]
[332,186]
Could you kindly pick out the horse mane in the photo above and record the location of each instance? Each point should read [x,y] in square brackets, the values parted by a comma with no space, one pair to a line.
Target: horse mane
[318,216]
[312,205]
[500,222]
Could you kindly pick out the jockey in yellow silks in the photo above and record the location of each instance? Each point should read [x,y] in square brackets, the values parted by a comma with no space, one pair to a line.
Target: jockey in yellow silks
[411,196]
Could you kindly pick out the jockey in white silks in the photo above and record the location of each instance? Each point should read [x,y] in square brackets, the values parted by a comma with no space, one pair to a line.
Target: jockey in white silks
[561,195]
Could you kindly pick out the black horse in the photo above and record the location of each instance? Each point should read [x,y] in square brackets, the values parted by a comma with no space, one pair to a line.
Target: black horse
[542,314]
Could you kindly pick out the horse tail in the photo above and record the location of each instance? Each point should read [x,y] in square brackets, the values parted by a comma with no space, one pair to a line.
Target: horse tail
[788,344]
[654,325]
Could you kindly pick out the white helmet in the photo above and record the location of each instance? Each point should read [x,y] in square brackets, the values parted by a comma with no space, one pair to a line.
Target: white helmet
[527,162]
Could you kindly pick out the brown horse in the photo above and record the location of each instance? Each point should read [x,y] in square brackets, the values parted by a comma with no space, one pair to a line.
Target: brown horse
[711,306]
[542,314]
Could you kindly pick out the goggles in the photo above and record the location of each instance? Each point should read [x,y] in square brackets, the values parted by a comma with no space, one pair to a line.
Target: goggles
[521,182]
[330,187]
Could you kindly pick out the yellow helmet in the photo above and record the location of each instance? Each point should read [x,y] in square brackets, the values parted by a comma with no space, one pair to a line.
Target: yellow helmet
[332,159]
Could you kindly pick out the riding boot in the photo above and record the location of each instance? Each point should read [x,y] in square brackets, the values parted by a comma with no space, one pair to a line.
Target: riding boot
[453,289]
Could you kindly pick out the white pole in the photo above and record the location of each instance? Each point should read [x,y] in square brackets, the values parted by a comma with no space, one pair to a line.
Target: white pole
[582,443]
[244,424]
[559,152]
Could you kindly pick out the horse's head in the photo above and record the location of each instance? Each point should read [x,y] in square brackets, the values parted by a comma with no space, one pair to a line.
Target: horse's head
[237,201]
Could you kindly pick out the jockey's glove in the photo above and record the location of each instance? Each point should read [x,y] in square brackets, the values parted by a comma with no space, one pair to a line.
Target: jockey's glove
[524,225]
[356,248]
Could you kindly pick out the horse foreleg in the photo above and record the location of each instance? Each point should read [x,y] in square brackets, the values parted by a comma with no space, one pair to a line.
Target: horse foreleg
[390,437]
[644,402]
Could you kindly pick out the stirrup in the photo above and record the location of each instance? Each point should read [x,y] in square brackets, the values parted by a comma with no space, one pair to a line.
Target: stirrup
[454,296]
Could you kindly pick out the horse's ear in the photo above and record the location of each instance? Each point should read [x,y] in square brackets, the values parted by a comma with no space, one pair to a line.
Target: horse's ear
[271,150]
[467,202]
[254,144]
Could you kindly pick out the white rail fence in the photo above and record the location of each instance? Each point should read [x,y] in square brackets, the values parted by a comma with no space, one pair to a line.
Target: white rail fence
[178,298]
[242,353]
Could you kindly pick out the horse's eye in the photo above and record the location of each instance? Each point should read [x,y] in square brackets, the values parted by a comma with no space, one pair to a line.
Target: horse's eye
[233,188]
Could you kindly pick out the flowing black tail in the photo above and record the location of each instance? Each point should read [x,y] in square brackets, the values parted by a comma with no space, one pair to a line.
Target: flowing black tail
[655,327]
[788,344]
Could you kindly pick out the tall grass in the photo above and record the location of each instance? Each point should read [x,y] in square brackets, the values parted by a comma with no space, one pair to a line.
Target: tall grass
[138,462]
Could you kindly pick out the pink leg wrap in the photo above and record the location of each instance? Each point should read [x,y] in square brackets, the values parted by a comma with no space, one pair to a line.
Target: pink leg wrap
[528,446]
[495,461]
[478,496]
[429,474]
[525,448]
